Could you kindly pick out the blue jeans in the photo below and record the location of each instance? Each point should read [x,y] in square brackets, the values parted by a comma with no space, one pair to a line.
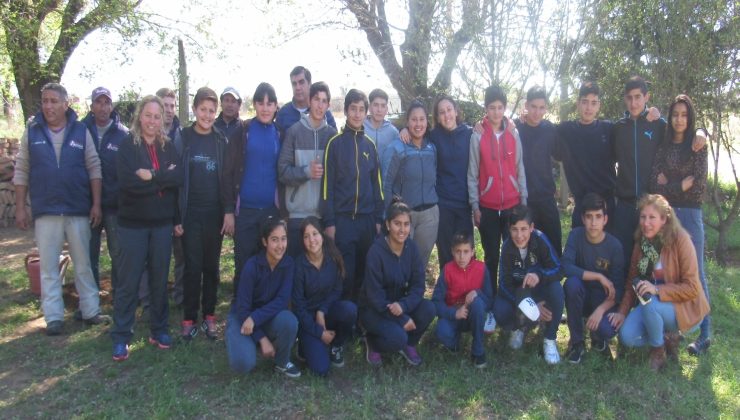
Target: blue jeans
[386,334]
[247,237]
[646,324]
[340,318]
[110,224]
[692,221]
[142,248]
[505,311]
[448,331]
[242,349]
[581,301]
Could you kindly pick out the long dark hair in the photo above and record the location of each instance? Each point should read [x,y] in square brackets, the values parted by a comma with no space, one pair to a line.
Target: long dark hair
[690,133]
[329,247]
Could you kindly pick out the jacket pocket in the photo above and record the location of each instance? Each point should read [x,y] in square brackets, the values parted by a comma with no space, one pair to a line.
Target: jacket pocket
[489,185]
[514,183]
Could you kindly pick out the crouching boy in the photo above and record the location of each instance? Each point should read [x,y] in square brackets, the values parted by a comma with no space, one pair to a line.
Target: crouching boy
[594,267]
[463,296]
[529,272]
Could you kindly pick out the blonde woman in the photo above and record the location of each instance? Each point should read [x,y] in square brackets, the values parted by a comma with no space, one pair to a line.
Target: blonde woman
[664,276]
[149,176]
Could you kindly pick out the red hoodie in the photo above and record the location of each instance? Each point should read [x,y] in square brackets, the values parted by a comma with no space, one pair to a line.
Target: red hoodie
[498,171]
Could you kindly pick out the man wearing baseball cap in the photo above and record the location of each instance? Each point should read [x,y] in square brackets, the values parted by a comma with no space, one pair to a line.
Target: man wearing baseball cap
[107,132]
[228,120]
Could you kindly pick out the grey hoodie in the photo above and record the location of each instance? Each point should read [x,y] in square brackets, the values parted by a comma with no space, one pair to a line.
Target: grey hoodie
[302,144]
[382,137]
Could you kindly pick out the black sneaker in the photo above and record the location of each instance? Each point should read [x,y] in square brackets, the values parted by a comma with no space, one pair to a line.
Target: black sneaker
[575,353]
[54,328]
[699,347]
[77,316]
[479,361]
[290,370]
[98,319]
[336,357]
[601,347]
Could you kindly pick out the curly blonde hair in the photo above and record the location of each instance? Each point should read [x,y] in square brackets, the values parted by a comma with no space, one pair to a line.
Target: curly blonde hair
[135,129]
[672,227]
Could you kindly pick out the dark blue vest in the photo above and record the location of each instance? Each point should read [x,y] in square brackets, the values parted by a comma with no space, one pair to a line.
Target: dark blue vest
[58,188]
[108,150]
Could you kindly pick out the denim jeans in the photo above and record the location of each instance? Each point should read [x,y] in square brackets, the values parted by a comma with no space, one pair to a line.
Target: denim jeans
[142,249]
[581,301]
[424,231]
[51,232]
[110,224]
[448,331]
[242,349]
[692,221]
[505,311]
[646,324]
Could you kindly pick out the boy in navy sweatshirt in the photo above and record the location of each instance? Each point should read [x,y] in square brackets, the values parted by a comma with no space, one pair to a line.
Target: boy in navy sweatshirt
[594,265]
[538,146]
[462,296]
[351,192]
[529,268]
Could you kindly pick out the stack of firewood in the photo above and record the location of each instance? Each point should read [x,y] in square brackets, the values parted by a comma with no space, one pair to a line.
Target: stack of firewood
[8,150]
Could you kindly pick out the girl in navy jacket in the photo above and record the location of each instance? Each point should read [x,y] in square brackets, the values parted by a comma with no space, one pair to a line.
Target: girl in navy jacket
[324,320]
[259,316]
[392,305]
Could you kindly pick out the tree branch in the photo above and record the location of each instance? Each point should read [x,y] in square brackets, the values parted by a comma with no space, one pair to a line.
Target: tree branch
[471,15]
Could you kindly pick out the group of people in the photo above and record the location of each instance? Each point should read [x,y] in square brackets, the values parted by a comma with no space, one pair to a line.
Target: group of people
[333,230]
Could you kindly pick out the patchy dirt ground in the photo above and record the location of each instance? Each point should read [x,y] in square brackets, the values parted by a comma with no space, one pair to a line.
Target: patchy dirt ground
[15,244]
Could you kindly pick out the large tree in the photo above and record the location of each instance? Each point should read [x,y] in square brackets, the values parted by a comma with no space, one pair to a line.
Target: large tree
[681,47]
[436,33]
[41,35]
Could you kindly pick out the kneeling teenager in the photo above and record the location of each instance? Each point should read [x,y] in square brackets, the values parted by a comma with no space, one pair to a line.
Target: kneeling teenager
[259,316]
[530,272]
[393,310]
[324,320]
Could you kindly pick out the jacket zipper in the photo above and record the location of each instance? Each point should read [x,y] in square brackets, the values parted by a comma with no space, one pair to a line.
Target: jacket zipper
[357,176]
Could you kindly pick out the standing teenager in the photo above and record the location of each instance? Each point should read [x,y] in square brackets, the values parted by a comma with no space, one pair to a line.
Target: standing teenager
[411,175]
[202,213]
[496,178]
[149,175]
[680,175]
[250,176]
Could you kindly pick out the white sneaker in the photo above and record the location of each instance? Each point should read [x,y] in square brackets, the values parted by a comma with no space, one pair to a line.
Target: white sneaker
[490,326]
[550,348]
[516,340]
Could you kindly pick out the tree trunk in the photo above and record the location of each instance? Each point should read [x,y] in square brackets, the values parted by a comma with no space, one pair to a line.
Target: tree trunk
[182,74]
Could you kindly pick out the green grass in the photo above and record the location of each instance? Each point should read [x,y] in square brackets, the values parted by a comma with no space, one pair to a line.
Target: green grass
[74,376]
